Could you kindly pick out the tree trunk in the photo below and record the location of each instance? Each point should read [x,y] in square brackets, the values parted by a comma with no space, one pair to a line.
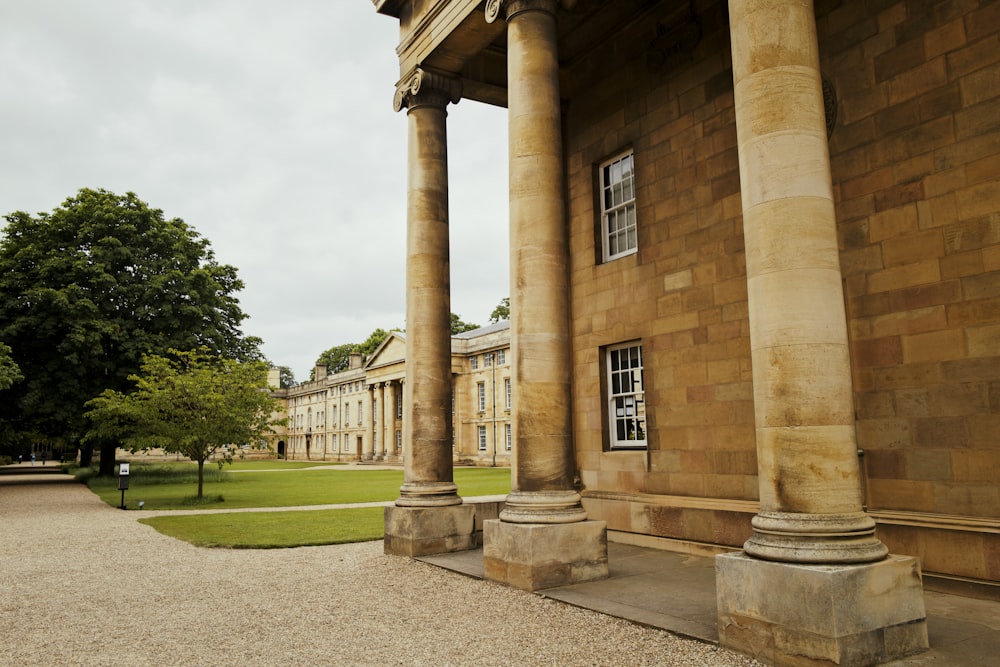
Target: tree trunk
[86,455]
[108,449]
[201,476]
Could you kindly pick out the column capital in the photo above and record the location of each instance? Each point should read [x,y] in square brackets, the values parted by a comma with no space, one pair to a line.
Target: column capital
[423,87]
[510,8]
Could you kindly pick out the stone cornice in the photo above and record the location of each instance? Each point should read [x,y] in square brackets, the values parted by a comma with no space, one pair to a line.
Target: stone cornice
[423,87]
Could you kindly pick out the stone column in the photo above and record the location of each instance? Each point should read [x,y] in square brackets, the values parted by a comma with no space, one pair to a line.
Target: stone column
[370,444]
[543,509]
[389,421]
[810,491]
[429,516]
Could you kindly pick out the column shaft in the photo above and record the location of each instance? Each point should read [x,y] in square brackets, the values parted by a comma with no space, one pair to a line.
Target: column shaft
[388,420]
[810,492]
[542,474]
[428,478]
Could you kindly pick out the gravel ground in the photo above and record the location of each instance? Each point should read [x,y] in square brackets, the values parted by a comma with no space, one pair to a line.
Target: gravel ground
[85,584]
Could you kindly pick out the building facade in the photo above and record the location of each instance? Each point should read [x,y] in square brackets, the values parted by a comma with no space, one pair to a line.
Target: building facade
[357,414]
[755,296]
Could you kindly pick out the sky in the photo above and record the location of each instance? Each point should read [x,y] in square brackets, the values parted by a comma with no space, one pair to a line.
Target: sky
[268,128]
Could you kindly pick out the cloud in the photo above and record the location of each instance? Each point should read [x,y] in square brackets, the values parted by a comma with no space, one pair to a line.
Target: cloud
[268,127]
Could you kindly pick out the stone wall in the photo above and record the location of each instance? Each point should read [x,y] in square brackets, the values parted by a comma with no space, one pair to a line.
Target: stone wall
[915,152]
[683,294]
[916,157]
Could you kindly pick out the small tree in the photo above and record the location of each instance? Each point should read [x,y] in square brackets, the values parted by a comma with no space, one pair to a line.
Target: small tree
[336,359]
[194,404]
[458,326]
[286,378]
[502,311]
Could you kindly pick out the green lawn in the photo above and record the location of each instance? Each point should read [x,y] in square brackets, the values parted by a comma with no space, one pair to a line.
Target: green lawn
[165,486]
[173,486]
[273,530]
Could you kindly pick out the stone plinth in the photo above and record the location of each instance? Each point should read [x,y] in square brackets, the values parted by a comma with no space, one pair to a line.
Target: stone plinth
[423,531]
[533,556]
[787,614]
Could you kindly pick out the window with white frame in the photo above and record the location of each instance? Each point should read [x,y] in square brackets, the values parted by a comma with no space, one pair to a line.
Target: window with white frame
[347,414]
[360,411]
[399,405]
[474,362]
[501,357]
[487,360]
[481,390]
[626,396]
[506,393]
[333,441]
[506,436]
[618,223]
[399,441]
[482,438]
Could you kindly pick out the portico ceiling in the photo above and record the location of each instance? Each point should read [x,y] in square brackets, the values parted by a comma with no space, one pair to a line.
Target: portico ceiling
[452,36]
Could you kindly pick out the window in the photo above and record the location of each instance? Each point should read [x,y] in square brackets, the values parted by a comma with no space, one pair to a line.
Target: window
[333,414]
[474,362]
[333,441]
[626,404]
[375,410]
[506,393]
[507,435]
[481,390]
[360,411]
[399,440]
[482,438]
[618,225]
[347,414]
[501,357]
[399,404]
[487,360]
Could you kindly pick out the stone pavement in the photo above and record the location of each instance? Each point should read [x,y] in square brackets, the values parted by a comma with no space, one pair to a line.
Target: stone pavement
[676,592]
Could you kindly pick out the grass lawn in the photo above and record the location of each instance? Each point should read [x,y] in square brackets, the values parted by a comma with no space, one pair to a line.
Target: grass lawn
[174,485]
[273,530]
[165,486]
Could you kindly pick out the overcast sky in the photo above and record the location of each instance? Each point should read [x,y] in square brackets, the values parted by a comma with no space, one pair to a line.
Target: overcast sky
[266,126]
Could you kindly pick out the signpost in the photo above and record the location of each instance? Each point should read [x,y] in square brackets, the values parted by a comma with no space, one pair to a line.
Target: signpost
[122,481]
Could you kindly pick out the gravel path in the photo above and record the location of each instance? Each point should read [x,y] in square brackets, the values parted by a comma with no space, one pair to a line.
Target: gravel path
[85,584]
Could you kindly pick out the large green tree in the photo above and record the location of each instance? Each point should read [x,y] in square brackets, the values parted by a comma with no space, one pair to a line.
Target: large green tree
[9,370]
[192,403]
[88,289]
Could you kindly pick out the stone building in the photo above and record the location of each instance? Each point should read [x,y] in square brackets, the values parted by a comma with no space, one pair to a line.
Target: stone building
[755,270]
[357,414]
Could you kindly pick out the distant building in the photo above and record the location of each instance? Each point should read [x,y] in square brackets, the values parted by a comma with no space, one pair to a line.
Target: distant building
[357,414]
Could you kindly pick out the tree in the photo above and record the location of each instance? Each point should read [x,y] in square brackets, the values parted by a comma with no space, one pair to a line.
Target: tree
[87,290]
[502,311]
[286,378]
[372,342]
[337,358]
[194,403]
[9,371]
[458,326]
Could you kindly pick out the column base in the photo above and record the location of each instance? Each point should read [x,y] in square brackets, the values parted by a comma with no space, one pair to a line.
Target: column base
[793,615]
[536,556]
[423,531]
